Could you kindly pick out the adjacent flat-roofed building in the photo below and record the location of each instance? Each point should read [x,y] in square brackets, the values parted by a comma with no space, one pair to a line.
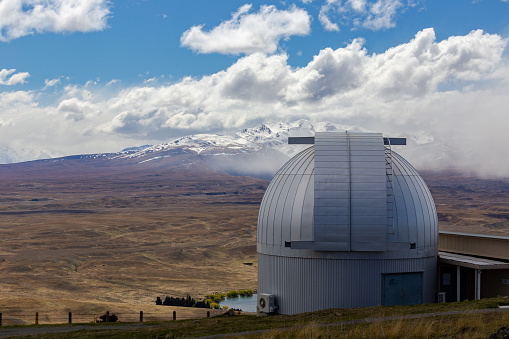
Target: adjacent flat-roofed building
[346,223]
[472,266]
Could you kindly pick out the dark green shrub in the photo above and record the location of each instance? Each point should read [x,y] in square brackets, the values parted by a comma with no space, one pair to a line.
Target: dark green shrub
[232,294]
[108,318]
[246,293]
[184,302]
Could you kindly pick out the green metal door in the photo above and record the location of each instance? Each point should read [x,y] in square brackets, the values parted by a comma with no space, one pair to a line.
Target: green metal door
[402,289]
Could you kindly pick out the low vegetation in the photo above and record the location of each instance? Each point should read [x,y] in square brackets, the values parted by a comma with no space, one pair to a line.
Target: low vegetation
[217,298]
[241,293]
[108,318]
[246,293]
[184,302]
[479,319]
[454,326]
[232,294]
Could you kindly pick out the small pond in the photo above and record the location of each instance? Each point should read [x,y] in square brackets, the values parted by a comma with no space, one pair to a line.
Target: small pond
[246,304]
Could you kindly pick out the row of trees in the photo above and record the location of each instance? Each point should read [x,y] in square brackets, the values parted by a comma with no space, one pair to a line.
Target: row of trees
[242,293]
[189,302]
[185,302]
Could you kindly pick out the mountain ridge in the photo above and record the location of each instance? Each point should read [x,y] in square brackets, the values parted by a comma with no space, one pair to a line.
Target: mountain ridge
[272,135]
[261,150]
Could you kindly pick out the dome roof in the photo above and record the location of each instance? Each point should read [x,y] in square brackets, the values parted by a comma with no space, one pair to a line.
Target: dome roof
[348,196]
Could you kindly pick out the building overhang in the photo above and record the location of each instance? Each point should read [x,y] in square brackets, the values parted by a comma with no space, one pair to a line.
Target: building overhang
[471,261]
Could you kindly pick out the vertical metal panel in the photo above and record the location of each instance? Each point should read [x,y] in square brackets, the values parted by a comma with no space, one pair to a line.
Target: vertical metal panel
[276,205]
[282,214]
[426,223]
[306,231]
[353,166]
[418,203]
[400,212]
[409,201]
[285,201]
[271,222]
[305,285]
[299,208]
[331,217]
[368,231]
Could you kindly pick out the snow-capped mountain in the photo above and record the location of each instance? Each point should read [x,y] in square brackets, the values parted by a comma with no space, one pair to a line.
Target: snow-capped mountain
[265,136]
[259,151]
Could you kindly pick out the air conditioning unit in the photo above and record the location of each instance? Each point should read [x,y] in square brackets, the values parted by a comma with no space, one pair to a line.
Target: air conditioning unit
[441,297]
[266,303]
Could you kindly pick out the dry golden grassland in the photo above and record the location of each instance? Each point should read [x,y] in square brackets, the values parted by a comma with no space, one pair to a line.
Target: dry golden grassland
[457,326]
[81,244]
[469,204]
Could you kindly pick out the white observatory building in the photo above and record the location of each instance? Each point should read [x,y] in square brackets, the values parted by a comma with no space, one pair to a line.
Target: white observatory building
[346,223]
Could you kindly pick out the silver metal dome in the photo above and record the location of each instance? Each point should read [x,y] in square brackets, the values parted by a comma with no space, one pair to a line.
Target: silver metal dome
[351,199]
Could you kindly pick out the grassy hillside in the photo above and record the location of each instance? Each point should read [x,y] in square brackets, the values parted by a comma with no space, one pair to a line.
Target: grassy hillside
[474,319]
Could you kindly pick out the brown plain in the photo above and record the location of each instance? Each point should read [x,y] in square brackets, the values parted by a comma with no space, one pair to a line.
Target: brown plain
[84,238]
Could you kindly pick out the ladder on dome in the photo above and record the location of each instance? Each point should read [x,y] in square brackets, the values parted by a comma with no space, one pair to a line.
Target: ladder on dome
[390,186]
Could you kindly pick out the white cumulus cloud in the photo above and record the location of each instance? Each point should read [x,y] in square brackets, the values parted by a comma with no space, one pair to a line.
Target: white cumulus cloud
[374,15]
[51,82]
[249,32]
[19,18]
[336,83]
[9,77]
[77,109]
[323,16]
[455,87]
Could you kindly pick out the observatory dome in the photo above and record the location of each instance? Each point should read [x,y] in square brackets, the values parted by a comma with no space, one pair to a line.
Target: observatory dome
[347,223]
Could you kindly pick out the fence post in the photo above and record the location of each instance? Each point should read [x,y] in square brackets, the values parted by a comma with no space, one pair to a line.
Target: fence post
[208,314]
[0,319]
[70,317]
[174,315]
[141,316]
[37,318]
[107,316]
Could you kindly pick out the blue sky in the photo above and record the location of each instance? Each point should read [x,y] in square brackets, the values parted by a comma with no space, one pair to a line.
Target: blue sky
[143,37]
[97,75]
